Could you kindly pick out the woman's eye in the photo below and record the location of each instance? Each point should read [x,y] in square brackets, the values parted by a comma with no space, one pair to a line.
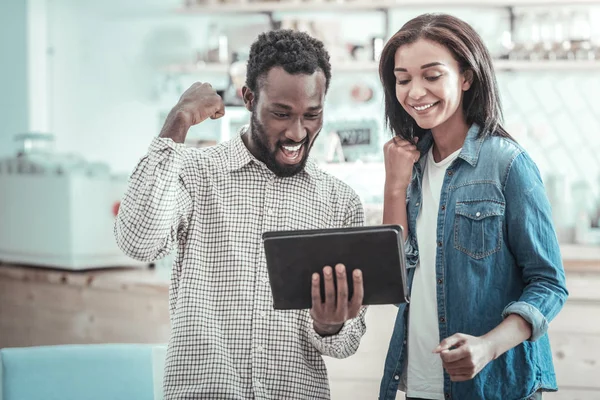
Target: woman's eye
[402,82]
[433,78]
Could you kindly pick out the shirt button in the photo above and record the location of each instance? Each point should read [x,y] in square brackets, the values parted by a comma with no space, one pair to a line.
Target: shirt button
[271,212]
[397,377]
[260,349]
[450,173]
[442,320]
[417,204]
[477,214]
[447,395]
[443,208]
[439,244]
[264,279]
[257,383]
[263,314]
[440,281]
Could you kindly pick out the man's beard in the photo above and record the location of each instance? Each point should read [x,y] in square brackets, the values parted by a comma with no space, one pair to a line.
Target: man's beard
[259,138]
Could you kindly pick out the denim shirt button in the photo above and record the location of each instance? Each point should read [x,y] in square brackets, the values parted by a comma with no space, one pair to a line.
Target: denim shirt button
[417,204]
[447,395]
[396,377]
[443,208]
[439,244]
[442,320]
[440,281]
[450,173]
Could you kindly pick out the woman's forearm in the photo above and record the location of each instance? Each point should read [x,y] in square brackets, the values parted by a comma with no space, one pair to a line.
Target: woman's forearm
[511,332]
[394,208]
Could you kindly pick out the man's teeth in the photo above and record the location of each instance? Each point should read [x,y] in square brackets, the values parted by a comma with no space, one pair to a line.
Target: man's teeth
[292,148]
[425,107]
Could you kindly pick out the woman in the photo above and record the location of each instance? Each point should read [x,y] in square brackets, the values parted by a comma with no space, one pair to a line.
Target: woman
[485,269]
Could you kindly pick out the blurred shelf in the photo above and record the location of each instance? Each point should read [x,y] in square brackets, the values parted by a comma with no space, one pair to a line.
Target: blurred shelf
[353,66]
[195,68]
[361,5]
[555,65]
[371,66]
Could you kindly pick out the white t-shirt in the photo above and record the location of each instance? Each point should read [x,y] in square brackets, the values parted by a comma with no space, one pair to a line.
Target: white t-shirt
[425,376]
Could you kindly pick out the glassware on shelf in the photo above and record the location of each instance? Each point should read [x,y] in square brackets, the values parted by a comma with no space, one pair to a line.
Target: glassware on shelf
[580,35]
[553,34]
[217,50]
[521,37]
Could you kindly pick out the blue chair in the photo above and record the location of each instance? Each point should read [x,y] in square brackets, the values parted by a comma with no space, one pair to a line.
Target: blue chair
[82,372]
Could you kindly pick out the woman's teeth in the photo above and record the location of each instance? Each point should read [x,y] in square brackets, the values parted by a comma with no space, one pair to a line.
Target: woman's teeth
[425,107]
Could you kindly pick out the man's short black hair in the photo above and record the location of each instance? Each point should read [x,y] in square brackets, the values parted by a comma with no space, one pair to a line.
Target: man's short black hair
[296,52]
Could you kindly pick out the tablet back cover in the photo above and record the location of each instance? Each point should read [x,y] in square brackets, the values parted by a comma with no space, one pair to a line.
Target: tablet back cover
[293,256]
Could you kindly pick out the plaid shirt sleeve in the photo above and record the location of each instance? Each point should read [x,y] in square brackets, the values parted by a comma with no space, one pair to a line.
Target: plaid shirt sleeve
[156,205]
[346,342]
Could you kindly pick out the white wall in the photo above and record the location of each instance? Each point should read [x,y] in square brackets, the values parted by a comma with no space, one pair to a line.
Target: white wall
[13,73]
[105,101]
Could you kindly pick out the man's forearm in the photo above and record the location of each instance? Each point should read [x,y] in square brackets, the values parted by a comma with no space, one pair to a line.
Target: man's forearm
[511,332]
[176,126]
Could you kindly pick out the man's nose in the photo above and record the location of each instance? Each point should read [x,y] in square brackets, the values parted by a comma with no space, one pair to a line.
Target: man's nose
[296,132]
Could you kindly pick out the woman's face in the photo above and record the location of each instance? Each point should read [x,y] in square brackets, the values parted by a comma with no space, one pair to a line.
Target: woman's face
[429,84]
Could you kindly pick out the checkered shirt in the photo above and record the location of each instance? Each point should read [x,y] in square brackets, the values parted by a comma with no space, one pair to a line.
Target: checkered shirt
[212,205]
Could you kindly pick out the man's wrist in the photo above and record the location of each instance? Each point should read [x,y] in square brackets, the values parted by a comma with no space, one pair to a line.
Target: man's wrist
[327,330]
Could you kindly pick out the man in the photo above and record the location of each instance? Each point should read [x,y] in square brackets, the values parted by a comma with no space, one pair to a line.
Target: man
[227,342]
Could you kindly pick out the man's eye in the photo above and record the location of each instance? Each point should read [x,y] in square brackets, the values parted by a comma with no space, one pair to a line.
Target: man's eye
[279,115]
[312,116]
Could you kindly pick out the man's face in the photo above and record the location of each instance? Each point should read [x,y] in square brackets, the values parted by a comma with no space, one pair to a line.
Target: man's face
[286,119]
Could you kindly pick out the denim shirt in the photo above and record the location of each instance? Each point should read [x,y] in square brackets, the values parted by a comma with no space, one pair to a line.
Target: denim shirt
[497,255]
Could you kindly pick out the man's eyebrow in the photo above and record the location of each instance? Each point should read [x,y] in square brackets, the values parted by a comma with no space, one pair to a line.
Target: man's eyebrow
[284,106]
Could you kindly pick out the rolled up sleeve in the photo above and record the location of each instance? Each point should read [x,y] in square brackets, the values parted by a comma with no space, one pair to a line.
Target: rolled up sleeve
[534,244]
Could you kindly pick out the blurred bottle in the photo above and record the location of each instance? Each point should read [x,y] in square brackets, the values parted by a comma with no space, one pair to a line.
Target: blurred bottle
[217,50]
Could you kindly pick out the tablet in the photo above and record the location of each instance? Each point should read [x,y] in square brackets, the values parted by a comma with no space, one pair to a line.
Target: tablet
[378,251]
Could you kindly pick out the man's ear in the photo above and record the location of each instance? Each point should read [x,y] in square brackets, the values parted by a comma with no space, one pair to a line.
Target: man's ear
[249,98]
[468,80]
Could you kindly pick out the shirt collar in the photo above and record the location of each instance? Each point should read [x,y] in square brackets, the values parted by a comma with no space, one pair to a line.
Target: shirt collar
[470,149]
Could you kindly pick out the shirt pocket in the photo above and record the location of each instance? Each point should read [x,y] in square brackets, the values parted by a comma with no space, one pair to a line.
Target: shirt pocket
[478,227]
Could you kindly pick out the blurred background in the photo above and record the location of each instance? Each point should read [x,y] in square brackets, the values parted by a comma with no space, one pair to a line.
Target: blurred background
[85,86]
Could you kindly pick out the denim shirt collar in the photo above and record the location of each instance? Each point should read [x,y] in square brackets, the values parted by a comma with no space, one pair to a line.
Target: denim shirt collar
[470,149]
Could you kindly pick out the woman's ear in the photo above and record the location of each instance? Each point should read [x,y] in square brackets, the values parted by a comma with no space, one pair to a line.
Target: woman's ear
[248,97]
[468,80]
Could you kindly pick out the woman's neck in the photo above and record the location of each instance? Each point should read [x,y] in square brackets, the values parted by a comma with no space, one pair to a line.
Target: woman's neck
[449,137]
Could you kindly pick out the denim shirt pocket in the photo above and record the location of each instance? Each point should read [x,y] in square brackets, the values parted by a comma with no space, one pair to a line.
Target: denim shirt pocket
[478,227]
